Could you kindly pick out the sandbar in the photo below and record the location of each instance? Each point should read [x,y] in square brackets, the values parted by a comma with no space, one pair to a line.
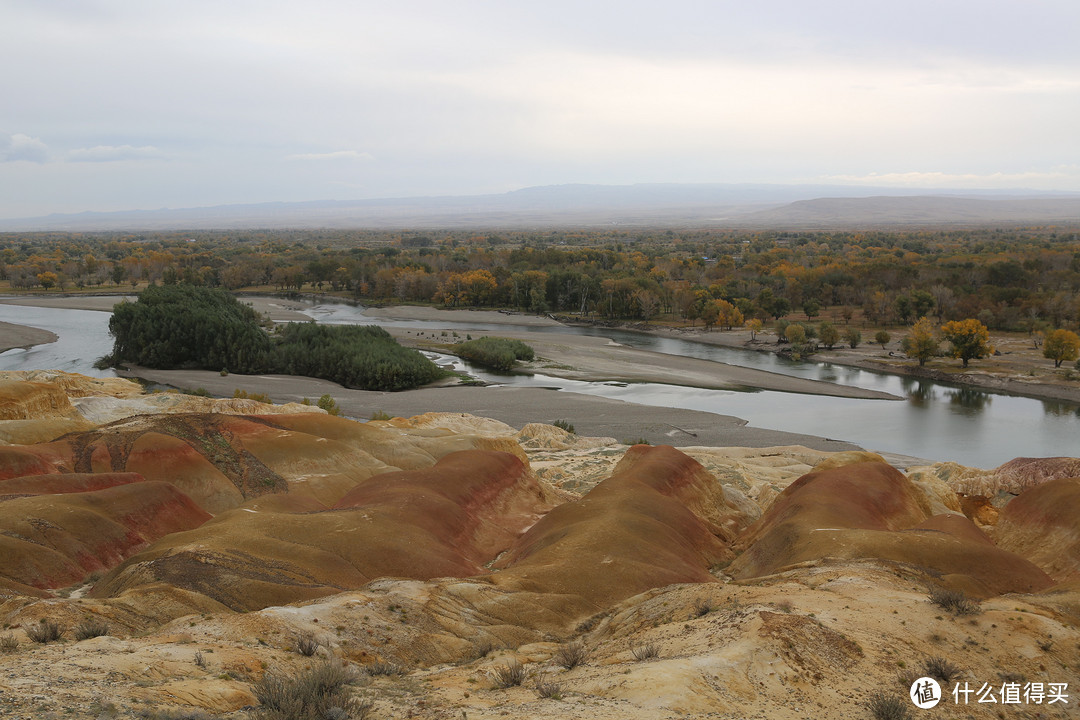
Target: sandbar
[23,336]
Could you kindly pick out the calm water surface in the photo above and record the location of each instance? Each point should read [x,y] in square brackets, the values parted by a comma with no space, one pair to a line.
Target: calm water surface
[935,420]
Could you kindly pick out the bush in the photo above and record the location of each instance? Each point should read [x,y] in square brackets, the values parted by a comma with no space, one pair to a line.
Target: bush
[496,353]
[44,632]
[887,706]
[703,607]
[549,690]
[307,645]
[381,415]
[647,651]
[328,404]
[8,643]
[571,655]
[940,669]
[509,675]
[318,693]
[563,425]
[381,667]
[91,629]
[955,601]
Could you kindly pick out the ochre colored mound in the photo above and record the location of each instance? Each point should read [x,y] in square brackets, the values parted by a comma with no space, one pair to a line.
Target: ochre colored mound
[32,401]
[61,484]
[1043,525]
[661,518]
[871,511]
[50,541]
[1020,474]
[448,520]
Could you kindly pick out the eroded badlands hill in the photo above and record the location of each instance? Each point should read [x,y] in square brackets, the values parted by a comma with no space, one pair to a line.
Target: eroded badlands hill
[203,537]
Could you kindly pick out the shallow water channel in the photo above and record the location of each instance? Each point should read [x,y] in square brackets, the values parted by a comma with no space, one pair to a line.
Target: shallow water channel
[935,420]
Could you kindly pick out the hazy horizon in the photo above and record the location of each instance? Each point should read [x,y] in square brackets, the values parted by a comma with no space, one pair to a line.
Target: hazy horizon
[118,106]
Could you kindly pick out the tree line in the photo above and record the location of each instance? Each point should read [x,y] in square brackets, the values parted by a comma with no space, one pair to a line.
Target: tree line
[1015,279]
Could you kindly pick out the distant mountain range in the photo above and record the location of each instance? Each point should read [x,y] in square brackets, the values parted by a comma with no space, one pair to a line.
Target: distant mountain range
[555,206]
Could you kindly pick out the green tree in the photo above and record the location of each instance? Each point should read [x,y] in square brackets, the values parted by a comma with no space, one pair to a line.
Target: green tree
[970,339]
[853,337]
[882,338]
[1061,345]
[921,342]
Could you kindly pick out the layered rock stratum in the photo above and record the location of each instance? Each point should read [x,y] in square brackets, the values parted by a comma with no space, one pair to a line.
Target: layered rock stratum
[203,537]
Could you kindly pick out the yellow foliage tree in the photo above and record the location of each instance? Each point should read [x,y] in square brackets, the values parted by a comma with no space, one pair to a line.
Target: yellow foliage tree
[1061,345]
[970,339]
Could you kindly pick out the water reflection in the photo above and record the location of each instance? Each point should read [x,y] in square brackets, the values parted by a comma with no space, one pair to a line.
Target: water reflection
[968,401]
[1056,408]
[919,393]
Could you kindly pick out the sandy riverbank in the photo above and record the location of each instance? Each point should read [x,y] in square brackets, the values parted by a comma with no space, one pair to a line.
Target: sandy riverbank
[516,406]
[21,336]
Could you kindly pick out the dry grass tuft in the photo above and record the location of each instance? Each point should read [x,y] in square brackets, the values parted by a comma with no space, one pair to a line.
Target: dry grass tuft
[91,629]
[44,632]
[316,694]
[647,651]
[955,601]
[571,655]
[510,675]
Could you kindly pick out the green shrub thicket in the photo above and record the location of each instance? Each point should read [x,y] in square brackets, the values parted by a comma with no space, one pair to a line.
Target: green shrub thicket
[495,353]
[182,326]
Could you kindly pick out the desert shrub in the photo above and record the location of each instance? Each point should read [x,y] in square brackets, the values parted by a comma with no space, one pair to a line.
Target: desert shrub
[888,706]
[44,632]
[510,675]
[646,651]
[381,415]
[496,353]
[307,645]
[955,601]
[563,425]
[318,693]
[382,667]
[571,655]
[549,690]
[8,643]
[639,441]
[703,606]
[940,669]
[91,629]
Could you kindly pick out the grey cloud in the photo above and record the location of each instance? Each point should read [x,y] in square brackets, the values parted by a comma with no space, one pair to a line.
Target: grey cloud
[14,148]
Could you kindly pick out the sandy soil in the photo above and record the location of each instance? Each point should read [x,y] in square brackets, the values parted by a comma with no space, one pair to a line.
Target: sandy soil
[21,336]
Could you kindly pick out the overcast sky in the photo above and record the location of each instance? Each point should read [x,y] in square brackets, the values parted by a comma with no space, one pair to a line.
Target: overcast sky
[116,105]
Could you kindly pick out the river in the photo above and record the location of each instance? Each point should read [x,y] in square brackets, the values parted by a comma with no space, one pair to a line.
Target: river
[936,420]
